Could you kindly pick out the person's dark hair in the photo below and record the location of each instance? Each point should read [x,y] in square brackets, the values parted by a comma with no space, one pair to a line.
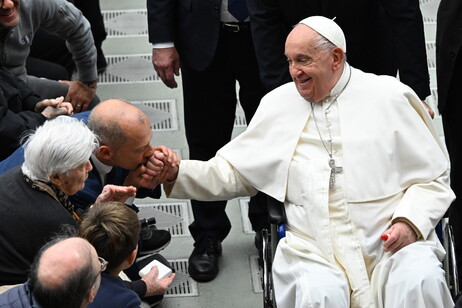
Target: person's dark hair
[71,293]
[113,229]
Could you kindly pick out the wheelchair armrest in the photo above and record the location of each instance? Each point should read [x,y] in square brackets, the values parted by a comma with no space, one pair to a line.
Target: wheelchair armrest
[276,211]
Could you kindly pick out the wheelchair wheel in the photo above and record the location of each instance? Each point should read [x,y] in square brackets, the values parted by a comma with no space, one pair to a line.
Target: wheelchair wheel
[267,279]
[449,262]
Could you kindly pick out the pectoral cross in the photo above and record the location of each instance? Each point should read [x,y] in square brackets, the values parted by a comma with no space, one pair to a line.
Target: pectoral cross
[333,171]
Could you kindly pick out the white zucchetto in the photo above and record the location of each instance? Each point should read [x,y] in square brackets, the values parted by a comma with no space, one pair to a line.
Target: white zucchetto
[327,28]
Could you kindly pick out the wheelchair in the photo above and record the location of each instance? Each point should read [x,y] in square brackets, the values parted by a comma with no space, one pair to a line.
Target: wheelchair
[276,231]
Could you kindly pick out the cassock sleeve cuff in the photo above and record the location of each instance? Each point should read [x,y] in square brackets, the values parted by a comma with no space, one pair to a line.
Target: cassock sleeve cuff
[407,221]
[168,186]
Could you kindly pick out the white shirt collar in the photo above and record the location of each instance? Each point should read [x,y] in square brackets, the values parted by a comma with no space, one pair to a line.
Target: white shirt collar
[102,169]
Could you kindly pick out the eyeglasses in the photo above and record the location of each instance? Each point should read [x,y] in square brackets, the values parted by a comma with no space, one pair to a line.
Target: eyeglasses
[103,264]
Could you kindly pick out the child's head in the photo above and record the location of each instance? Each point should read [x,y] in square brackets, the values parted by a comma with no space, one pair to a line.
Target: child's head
[113,229]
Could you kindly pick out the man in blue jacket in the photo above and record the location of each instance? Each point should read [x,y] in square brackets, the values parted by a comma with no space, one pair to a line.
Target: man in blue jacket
[123,159]
[66,273]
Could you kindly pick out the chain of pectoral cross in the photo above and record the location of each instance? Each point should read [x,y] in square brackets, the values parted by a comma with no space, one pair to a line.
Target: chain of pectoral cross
[333,168]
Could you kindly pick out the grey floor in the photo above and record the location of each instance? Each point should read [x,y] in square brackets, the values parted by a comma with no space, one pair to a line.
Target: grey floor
[130,76]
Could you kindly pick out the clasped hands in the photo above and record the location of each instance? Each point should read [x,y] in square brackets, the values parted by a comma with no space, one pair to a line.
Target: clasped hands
[51,108]
[161,166]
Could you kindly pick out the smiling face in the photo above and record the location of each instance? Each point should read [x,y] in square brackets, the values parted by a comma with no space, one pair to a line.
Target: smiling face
[314,70]
[9,14]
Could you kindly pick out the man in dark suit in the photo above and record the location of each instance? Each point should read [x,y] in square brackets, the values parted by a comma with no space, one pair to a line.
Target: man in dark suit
[123,158]
[382,37]
[125,150]
[211,41]
[449,75]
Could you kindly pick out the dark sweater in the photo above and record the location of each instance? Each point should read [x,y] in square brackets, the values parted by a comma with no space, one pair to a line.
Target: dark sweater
[28,218]
[17,103]
[113,293]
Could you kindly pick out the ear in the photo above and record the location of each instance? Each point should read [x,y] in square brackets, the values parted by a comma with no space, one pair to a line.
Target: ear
[92,294]
[56,179]
[132,256]
[105,153]
[338,57]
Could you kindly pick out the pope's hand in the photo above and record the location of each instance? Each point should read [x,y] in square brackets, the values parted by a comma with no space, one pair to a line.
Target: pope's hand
[398,236]
[161,166]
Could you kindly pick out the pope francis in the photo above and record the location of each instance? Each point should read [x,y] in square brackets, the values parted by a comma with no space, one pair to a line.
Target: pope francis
[362,174]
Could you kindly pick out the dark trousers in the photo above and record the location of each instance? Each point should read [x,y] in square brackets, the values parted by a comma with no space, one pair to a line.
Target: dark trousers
[453,136]
[209,110]
[92,11]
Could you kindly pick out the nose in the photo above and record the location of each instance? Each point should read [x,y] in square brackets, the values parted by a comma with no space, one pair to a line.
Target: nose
[7,4]
[294,70]
[149,151]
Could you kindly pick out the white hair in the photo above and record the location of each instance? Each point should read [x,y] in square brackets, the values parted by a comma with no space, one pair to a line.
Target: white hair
[57,147]
[325,45]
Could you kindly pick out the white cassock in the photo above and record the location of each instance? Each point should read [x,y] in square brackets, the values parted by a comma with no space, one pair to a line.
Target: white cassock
[395,167]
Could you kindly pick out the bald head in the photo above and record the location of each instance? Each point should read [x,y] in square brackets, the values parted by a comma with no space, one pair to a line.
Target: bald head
[65,273]
[125,134]
[117,110]
[112,119]
[64,259]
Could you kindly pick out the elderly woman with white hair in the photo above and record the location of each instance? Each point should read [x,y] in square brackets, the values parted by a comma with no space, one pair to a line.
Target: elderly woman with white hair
[34,202]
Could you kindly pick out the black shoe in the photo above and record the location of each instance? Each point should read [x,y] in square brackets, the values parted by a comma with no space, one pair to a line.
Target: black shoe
[203,262]
[152,239]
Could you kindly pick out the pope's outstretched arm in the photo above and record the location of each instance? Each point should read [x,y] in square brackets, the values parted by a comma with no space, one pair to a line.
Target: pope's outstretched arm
[215,179]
